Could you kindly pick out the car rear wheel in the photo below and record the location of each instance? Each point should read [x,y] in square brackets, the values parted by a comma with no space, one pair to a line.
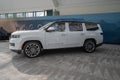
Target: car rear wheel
[32,49]
[89,46]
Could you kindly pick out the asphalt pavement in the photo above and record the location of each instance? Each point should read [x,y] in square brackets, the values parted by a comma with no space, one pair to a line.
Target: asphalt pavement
[62,64]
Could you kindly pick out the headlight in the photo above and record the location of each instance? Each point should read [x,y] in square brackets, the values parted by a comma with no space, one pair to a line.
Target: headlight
[15,36]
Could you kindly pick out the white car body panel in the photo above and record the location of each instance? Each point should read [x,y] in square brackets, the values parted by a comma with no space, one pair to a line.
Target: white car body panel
[52,40]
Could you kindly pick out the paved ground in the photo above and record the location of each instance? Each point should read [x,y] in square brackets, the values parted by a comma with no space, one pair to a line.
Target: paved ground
[66,64]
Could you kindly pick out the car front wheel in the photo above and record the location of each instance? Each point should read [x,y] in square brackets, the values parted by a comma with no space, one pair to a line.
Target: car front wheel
[32,49]
[89,46]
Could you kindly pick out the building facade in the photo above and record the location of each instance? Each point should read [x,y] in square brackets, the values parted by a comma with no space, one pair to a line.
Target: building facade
[29,14]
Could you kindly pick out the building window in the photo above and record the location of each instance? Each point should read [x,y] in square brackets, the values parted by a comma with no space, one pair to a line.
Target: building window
[29,14]
[10,15]
[45,13]
[2,15]
[38,14]
[19,15]
[49,12]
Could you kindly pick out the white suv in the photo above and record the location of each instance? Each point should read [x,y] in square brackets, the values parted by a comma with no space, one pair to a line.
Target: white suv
[59,34]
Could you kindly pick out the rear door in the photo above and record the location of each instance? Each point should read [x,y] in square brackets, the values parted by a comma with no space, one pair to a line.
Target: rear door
[75,34]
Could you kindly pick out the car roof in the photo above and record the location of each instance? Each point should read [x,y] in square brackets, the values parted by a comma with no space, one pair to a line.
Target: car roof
[77,21]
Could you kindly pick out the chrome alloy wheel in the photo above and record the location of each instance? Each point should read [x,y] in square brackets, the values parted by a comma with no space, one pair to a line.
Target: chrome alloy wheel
[32,49]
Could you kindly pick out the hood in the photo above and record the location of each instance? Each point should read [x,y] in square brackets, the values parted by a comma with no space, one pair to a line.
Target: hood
[24,32]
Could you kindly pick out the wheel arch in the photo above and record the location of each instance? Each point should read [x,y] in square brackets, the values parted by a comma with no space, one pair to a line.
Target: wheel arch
[32,41]
[90,39]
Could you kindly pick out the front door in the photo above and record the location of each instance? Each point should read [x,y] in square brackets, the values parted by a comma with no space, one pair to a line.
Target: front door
[56,38]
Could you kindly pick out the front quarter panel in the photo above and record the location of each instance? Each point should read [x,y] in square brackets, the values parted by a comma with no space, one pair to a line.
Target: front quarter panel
[36,37]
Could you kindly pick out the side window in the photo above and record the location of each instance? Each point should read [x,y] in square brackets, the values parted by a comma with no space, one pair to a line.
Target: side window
[59,26]
[75,26]
[91,27]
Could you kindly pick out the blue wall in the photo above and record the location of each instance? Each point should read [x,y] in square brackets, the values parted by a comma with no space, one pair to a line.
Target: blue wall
[110,23]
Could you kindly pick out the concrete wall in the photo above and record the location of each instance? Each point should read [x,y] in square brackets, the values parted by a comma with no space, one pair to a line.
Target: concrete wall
[69,7]
[12,6]
[66,7]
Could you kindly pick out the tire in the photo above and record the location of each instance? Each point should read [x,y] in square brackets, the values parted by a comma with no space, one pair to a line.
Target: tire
[89,46]
[32,49]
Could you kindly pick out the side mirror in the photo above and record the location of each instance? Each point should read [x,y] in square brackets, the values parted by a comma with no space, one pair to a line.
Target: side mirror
[50,29]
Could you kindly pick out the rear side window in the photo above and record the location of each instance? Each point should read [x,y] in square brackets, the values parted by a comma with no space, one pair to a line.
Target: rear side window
[91,27]
[75,26]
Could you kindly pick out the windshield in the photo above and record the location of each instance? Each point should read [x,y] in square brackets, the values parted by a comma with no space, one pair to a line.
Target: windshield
[46,25]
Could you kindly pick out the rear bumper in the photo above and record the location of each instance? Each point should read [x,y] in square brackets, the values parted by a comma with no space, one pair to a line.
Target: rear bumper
[100,44]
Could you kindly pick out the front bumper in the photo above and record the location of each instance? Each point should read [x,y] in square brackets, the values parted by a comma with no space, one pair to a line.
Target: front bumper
[17,51]
[15,45]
